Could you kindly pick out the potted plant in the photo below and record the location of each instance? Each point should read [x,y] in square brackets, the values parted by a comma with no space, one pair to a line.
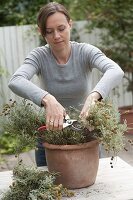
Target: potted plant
[23,121]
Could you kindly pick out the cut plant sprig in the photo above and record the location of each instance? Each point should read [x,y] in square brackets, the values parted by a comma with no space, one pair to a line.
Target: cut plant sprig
[34,183]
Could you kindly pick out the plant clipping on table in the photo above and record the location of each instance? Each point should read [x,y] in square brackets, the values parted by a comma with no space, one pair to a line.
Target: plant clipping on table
[22,120]
[34,184]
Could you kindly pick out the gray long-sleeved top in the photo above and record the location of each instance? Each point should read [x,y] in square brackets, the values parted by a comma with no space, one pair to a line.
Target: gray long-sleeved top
[70,82]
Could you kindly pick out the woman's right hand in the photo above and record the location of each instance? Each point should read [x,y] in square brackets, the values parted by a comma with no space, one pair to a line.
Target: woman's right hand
[55,113]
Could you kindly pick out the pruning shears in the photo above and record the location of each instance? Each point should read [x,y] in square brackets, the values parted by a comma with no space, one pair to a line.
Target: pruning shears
[73,123]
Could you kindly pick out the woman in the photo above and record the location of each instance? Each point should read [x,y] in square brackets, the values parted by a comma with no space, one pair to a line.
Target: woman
[64,68]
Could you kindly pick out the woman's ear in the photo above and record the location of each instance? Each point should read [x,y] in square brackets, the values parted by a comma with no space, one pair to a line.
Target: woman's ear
[39,30]
[70,23]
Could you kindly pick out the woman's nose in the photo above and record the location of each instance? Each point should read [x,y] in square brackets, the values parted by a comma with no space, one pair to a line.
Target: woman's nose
[56,34]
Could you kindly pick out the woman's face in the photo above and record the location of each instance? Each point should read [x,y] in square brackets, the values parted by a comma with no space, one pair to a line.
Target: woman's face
[58,31]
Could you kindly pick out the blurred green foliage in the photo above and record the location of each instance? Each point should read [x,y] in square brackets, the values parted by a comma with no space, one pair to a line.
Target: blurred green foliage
[7,143]
[20,12]
[115,20]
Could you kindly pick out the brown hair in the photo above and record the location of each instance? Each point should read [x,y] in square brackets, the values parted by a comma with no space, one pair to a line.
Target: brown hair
[46,11]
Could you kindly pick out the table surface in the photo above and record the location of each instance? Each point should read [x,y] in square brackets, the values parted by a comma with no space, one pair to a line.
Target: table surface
[111,183]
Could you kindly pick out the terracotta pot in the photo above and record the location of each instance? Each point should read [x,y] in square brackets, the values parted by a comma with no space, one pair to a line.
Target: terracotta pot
[127,114]
[77,164]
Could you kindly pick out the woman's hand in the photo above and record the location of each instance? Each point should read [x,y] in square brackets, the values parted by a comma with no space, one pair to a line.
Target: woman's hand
[55,113]
[90,101]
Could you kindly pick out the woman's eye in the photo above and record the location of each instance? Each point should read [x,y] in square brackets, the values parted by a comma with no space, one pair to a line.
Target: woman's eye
[61,28]
[49,31]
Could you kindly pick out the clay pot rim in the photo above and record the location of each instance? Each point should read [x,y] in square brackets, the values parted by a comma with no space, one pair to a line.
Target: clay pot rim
[126,112]
[126,109]
[71,146]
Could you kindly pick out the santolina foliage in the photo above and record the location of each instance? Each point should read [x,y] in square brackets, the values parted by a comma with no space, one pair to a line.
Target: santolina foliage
[105,118]
[34,184]
[22,121]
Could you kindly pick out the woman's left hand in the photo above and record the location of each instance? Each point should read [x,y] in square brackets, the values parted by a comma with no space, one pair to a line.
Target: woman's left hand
[90,101]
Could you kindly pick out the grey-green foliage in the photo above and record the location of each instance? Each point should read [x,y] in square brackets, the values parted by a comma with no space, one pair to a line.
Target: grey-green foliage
[21,120]
[105,118]
[66,137]
[30,183]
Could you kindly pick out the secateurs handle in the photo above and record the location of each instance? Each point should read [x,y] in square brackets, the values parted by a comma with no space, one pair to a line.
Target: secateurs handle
[42,128]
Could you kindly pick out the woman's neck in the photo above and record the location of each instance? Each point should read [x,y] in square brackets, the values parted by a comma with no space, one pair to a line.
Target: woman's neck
[63,55]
